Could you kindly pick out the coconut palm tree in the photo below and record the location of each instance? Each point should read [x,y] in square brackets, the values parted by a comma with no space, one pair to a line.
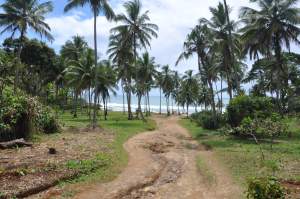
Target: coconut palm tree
[189,89]
[135,28]
[106,83]
[18,17]
[74,49]
[121,53]
[148,73]
[159,83]
[226,42]
[269,29]
[97,7]
[167,85]
[139,30]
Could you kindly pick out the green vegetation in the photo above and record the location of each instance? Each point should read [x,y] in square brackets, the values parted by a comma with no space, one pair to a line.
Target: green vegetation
[106,166]
[205,171]
[243,157]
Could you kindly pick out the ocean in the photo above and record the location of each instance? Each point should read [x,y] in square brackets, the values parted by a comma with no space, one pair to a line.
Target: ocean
[116,104]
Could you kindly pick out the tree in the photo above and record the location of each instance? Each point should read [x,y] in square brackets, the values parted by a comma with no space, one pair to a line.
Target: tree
[167,85]
[146,75]
[18,16]
[268,30]
[106,83]
[189,90]
[137,28]
[97,7]
[121,53]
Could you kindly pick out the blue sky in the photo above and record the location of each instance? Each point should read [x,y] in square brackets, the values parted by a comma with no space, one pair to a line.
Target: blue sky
[175,19]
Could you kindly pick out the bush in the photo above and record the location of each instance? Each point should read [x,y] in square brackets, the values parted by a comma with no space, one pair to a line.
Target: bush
[45,120]
[261,128]
[294,104]
[206,120]
[265,188]
[20,114]
[248,106]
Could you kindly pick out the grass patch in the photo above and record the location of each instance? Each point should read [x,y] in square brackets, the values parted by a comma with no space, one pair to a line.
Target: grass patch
[205,171]
[106,166]
[243,158]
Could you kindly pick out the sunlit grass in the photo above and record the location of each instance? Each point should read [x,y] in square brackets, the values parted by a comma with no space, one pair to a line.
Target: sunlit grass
[243,157]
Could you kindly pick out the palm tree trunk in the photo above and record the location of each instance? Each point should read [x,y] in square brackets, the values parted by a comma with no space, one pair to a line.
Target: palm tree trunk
[18,63]
[187,110]
[149,106]
[160,100]
[128,93]
[89,107]
[212,98]
[140,112]
[123,101]
[96,63]
[221,104]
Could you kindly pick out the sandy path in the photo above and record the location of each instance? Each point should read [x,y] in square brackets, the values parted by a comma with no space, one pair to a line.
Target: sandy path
[162,167]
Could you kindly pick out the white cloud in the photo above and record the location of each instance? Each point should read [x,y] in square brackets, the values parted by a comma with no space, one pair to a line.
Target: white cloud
[175,18]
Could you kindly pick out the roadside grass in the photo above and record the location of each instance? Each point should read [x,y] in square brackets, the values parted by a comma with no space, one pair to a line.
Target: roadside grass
[105,166]
[243,158]
[205,171]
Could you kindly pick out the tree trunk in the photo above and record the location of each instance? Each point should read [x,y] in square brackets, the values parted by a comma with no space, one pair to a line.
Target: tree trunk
[213,104]
[149,106]
[123,101]
[140,112]
[96,63]
[160,100]
[18,63]
[187,110]
[128,93]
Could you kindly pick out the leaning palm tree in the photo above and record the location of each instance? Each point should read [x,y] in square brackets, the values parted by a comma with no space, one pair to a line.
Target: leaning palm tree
[20,15]
[269,29]
[97,7]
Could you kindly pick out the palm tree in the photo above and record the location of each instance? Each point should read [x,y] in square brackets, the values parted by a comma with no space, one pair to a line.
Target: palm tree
[167,85]
[269,29]
[159,84]
[74,49]
[20,15]
[148,74]
[136,27]
[120,52]
[226,42]
[188,90]
[97,7]
[106,83]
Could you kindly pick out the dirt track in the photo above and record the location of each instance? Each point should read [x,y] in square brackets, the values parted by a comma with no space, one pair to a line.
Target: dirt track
[161,166]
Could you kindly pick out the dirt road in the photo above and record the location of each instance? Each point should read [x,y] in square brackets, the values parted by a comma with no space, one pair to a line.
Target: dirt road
[162,165]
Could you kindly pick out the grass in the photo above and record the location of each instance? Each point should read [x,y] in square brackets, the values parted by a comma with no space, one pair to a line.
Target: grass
[243,158]
[205,170]
[106,166]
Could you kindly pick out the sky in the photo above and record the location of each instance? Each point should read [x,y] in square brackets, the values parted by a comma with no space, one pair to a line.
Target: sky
[175,19]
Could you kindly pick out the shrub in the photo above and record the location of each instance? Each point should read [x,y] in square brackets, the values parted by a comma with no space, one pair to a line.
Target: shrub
[206,120]
[260,128]
[265,188]
[294,104]
[45,120]
[20,114]
[248,106]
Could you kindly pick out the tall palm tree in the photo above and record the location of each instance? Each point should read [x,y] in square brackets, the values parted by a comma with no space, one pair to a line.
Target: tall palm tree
[74,49]
[97,7]
[167,85]
[139,31]
[148,74]
[189,89]
[21,15]
[226,42]
[269,29]
[106,84]
[121,53]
